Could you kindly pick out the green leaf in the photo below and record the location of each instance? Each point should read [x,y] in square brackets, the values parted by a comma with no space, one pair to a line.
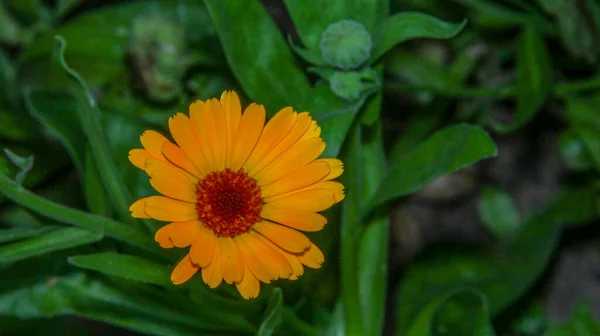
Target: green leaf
[582,323]
[446,151]
[585,123]
[574,214]
[504,272]
[273,79]
[18,233]
[23,163]
[498,212]
[125,266]
[273,314]
[574,151]
[140,308]
[406,26]
[460,312]
[49,242]
[534,78]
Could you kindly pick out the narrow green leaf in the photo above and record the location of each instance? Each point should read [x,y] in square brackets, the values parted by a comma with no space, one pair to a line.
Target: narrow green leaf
[125,266]
[411,25]
[273,79]
[582,323]
[534,78]
[53,241]
[18,233]
[498,212]
[446,151]
[273,314]
[23,163]
[140,308]
[74,217]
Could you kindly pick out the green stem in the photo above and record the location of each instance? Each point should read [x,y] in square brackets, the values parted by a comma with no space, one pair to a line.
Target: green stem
[61,213]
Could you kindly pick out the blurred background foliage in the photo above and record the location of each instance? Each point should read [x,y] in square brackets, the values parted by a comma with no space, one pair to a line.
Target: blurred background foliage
[469,129]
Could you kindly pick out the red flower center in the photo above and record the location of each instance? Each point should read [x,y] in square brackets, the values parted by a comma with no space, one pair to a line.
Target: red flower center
[229,202]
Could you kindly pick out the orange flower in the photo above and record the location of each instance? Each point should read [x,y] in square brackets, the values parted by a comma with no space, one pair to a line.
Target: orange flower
[238,192]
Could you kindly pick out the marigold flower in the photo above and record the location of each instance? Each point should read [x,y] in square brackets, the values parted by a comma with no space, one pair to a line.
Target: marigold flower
[238,192]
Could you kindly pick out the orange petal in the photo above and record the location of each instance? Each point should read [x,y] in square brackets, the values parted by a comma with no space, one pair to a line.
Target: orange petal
[299,155]
[197,118]
[312,258]
[283,236]
[163,239]
[249,130]
[232,265]
[216,127]
[302,220]
[275,259]
[203,248]
[336,188]
[256,259]
[312,200]
[292,259]
[249,287]
[153,142]
[298,129]
[336,166]
[275,130]
[181,129]
[137,209]
[169,210]
[177,156]
[313,131]
[174,184]
[184,271]
[181,234]
[153,165]
[233,114]
[138,157]
[211,274]
[299,178]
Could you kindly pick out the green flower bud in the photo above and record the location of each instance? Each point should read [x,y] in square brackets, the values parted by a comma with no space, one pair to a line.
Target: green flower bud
[346,45]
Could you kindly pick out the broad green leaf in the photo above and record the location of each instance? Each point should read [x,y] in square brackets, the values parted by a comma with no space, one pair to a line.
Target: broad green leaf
[28,10]
[18,233]
[64,7]
[491,14]
[139,308]
[417,69]
[504,272]
[460,312]
[582,323]
[573,214]
[126,266]
[446,151]
[273,314]
[46,243]
[273,79]
[534,78]
[406,26]
[498,212]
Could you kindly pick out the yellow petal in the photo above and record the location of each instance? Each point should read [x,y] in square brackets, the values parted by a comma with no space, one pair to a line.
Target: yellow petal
[292,259]
[248,133]
[198,110]
[137,209]
[203,248]
[163,239]
[299,155]
[174,184]
[183,271]
[336,188]
[302,220]
[336,168]
[177,156]
[169,210]
[138,157]
[153,165]
[298,129]
[312,258]
[181,234]
[211,274]
[249,287]
[181,130]
[275,130]
[299,178]
[283,236]
[232,264]
[312,200]
[275,259]
[233,114]
[313,131]
[153,142]
[216,129]
[256,259]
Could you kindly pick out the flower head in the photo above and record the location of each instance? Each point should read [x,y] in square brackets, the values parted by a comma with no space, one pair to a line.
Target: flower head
[238,192]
